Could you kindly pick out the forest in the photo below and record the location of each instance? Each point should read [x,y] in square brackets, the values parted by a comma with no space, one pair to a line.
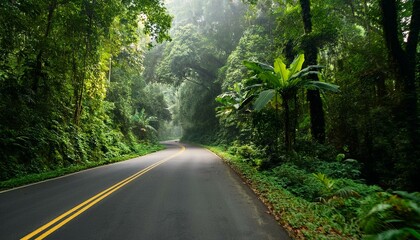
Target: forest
[314,102]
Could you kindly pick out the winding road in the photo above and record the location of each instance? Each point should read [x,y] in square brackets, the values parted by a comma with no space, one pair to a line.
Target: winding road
[183,192]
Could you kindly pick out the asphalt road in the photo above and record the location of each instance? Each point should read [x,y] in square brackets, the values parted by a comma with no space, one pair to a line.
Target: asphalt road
[178,193]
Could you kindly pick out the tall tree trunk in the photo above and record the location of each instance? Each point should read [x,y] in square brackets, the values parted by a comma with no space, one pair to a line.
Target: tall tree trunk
[314,98]
[404,63]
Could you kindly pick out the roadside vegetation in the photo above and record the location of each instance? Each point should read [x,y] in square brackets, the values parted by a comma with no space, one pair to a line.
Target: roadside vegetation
[319,199]
[25,178]
[72,94]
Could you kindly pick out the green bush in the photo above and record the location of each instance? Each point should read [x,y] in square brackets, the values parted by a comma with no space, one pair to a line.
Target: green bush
[321,161]
[297,181]
[355,199]
[348,168]
[248,153]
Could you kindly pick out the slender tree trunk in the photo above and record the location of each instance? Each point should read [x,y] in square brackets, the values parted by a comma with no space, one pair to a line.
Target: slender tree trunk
[80,85]
[38,62]
[287,137]
[314,98]
[295,118]
[278,127]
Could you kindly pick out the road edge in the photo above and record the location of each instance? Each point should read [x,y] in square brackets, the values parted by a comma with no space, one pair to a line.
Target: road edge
[248,183]
[71,172]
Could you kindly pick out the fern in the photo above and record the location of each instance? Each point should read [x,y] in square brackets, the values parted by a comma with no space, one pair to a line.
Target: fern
[327,182]
[347,192]
[330,193]
[397,217]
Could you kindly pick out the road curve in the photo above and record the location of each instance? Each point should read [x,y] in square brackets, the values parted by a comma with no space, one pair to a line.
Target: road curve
[183,192]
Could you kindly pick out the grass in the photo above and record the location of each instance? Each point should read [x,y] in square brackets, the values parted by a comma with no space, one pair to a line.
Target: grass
[37,177]
[302,219]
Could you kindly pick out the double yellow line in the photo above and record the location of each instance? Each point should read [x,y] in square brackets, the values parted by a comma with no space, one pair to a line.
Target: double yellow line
[66,217]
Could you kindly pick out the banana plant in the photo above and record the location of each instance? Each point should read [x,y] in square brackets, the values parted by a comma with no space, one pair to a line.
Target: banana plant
[279,83]
[141,122]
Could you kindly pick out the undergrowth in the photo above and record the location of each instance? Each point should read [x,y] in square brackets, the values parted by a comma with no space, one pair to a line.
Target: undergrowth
[24,179]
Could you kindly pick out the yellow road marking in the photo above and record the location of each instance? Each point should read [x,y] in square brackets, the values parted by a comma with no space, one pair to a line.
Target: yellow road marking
[82,207]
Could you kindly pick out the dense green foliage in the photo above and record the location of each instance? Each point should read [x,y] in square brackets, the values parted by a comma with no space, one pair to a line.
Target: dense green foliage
[71,89]
[368,48]
[397,216]
[365,120]
[275,87]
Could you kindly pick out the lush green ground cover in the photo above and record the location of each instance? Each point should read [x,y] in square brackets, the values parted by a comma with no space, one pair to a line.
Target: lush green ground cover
[140,150]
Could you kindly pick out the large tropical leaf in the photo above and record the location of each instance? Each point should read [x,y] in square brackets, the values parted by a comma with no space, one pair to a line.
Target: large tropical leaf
[257,66]
[263,98]
[282,71]
[296,65]
[312,68]
[324,86]
[270,78]
[303,74]
[246,101]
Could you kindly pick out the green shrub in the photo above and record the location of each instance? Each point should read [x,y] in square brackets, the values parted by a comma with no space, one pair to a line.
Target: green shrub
[297,181]
[320,162]
[348,168]
[248,153]
[356,193]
